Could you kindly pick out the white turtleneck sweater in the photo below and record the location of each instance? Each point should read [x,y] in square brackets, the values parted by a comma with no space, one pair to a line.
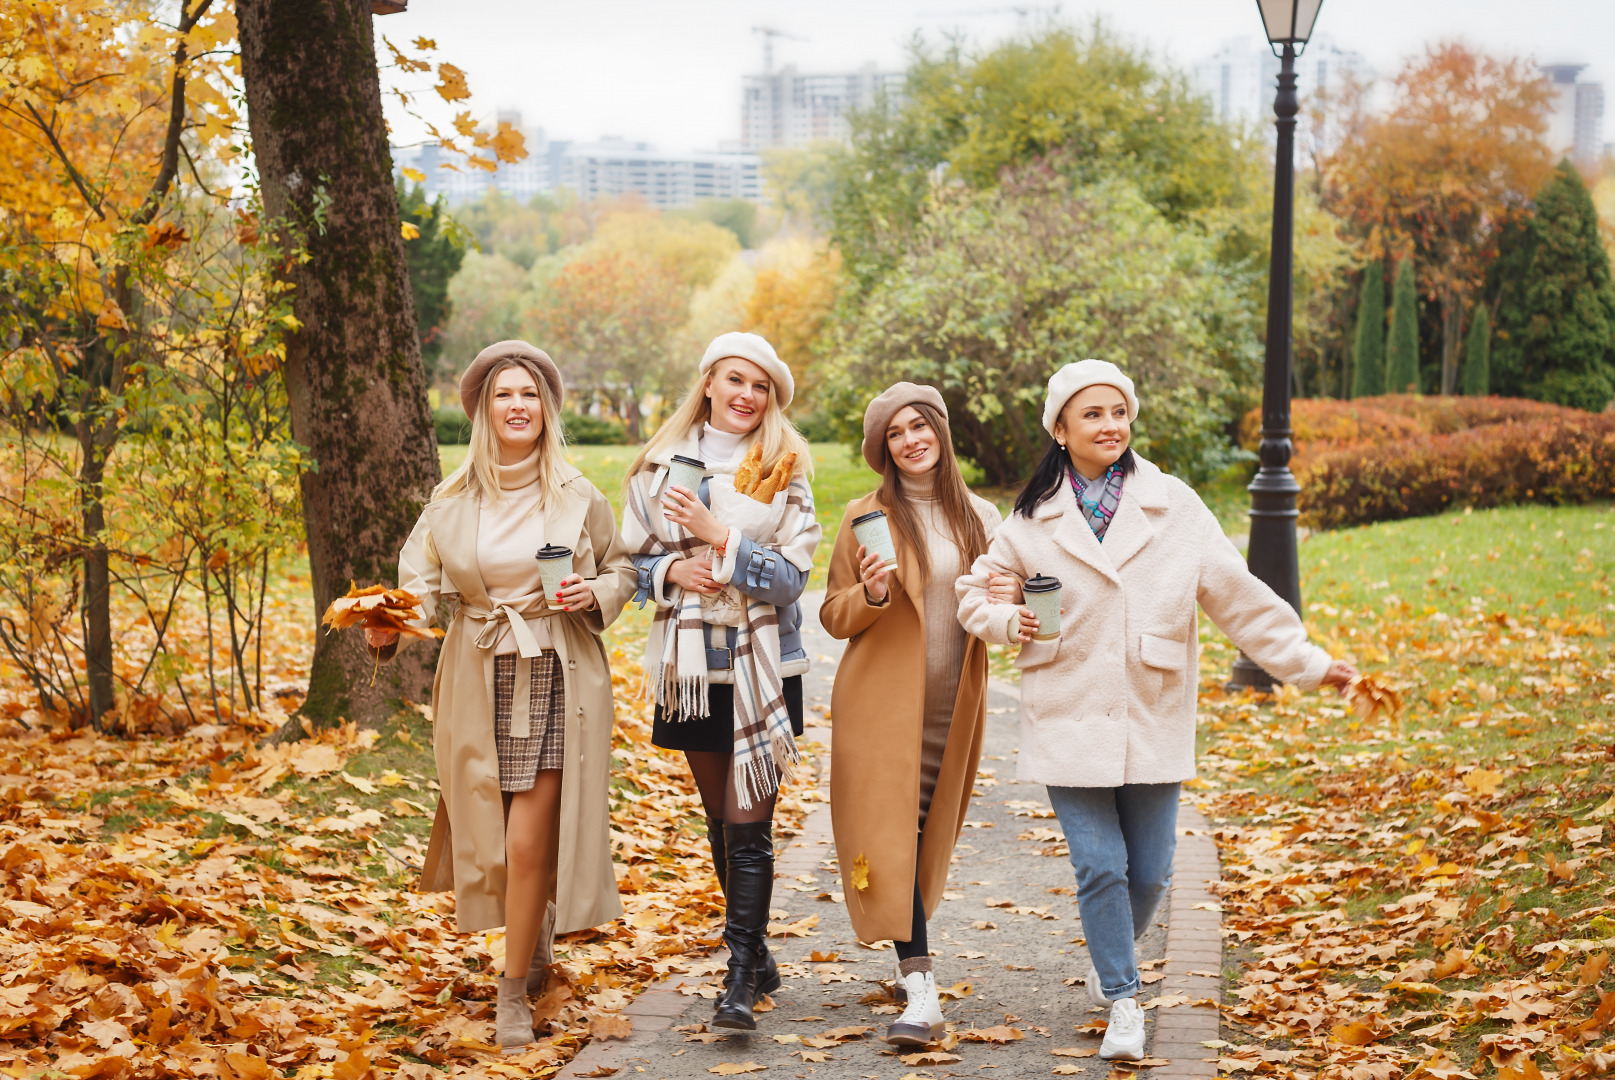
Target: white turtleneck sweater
[718,447]
[509,534]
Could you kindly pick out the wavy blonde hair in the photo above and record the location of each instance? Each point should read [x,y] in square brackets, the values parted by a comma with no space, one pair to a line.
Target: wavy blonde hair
[776,432]
[478,476]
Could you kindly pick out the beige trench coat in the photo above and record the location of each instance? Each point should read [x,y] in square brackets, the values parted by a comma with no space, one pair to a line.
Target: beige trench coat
[878,709]
[467,849]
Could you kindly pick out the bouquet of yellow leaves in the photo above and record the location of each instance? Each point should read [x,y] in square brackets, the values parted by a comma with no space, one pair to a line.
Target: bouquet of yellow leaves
[1371,697]
[377,608]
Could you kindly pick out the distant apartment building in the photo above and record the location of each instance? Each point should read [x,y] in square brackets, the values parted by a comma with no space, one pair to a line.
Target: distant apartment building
[790,108]
[1241,79]
[609,168]
[1576,116]
[614,167]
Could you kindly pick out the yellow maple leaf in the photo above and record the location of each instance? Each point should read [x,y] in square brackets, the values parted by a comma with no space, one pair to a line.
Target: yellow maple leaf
[451,83]
[409,229]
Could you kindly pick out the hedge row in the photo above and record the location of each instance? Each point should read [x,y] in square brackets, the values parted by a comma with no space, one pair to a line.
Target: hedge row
[1565,458]
[1323,425]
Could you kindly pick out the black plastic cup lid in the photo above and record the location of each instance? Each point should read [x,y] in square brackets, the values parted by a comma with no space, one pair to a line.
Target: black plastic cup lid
[690,461]
[1041,584]
[552,551]
[871,516]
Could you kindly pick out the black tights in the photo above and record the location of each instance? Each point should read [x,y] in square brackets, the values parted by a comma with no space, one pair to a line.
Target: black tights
[712,772]
[916,945]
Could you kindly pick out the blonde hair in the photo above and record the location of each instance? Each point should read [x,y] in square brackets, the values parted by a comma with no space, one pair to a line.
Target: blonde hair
[776,432]
[479,474]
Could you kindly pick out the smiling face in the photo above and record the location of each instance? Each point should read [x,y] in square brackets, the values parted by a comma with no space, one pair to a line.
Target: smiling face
[516,414]
[1094,428]
[912,442]
[739,392]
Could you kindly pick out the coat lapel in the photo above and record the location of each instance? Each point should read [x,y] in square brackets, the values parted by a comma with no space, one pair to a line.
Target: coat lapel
[1130,530]
[563,521]
[1072,533]
[454,529]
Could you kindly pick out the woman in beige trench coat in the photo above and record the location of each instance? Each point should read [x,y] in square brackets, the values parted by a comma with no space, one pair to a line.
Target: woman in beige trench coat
[910,695]
[544,772]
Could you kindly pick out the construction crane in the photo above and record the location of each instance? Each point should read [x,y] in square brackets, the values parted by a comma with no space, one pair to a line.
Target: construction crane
[1023,12]
[769,34]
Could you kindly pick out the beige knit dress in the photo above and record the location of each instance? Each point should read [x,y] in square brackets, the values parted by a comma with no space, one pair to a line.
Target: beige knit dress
[944,637]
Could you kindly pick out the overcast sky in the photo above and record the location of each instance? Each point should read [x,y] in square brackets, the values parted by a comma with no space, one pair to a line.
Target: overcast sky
[668,71]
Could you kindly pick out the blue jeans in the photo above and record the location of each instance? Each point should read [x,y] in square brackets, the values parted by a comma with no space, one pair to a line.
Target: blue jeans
[1121,840]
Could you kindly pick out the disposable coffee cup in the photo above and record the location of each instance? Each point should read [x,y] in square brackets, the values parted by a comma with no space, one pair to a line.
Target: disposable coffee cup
[554,567]
[686,472]
[874,532]
[1043,598]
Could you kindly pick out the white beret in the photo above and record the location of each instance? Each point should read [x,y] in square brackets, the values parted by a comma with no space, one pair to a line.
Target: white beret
[756,349]
[1079,376]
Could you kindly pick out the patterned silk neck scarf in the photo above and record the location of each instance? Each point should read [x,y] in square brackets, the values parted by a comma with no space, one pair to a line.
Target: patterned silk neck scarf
[1099,499]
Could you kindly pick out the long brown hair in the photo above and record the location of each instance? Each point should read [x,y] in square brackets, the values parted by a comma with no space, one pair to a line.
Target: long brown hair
[969,535]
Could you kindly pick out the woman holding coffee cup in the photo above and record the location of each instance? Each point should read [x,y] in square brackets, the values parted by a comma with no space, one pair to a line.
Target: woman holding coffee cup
[910,695]
[1108,699]
[719,517]
[522,698]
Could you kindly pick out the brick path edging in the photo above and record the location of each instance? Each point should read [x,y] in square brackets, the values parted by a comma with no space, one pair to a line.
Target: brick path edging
[1193,944]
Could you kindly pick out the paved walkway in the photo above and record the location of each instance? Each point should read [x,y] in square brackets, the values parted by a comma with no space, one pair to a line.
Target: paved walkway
[1007,940]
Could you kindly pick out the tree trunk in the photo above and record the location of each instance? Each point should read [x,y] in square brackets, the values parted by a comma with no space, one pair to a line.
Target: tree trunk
[1452,317]
[353,371]
[97,610]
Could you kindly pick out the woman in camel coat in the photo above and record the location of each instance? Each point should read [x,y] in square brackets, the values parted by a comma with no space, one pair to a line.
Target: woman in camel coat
[1108,704]
[907,742]
[522,700]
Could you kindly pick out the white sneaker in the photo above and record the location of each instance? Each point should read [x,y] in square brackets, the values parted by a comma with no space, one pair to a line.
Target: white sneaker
[899,994]
[921,1022]
[1096,993]
[1124,1037]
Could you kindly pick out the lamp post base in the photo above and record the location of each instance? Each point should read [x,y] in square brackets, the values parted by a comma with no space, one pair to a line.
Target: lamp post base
[1247,675]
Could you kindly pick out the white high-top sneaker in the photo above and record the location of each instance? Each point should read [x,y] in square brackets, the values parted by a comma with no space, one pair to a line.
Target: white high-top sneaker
[921,1023]
[1124,1037]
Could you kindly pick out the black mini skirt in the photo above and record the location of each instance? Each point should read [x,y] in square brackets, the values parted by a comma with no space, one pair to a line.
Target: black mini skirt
[715,732]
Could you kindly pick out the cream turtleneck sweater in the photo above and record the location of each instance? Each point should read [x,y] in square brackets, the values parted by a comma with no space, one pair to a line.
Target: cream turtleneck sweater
[944,637]
[718,447]
[509,534]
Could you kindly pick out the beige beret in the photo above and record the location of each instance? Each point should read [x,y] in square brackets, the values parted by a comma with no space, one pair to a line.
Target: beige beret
[1064,384]
[475,375]
[887,405]
[755,348]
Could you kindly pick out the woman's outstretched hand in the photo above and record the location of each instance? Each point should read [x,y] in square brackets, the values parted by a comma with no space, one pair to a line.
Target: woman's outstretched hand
[873,573]
[1003,588]
[1340,675]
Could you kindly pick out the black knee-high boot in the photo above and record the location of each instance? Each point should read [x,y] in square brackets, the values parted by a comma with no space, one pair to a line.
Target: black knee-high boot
[748,891]
[720,862]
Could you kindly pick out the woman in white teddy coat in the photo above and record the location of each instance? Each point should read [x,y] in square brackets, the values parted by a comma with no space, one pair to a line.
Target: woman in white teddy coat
[1108,706]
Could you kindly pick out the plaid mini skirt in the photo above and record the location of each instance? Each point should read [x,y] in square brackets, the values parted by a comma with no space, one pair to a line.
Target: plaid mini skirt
[545,747]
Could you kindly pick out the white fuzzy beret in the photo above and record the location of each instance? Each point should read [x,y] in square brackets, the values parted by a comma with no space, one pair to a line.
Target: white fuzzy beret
[756,349]
[1079,376]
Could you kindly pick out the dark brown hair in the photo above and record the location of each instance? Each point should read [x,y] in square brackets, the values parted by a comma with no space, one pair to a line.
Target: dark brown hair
[969,535]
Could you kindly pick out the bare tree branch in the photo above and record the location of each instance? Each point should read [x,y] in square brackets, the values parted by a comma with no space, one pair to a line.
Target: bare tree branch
[72,173]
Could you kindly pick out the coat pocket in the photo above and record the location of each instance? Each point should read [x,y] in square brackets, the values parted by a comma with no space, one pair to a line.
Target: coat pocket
[1164,661]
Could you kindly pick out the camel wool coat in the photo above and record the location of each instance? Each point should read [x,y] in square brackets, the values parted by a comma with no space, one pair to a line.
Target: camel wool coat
[467,849]
[878,709]
[1112,700]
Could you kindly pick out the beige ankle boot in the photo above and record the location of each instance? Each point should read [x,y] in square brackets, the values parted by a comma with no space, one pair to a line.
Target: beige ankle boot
[544,953]
[514,1019]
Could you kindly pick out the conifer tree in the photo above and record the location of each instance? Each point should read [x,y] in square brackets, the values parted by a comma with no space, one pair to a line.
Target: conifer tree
[1477,354]
[1402,351]
[1368,352]
[1556,302]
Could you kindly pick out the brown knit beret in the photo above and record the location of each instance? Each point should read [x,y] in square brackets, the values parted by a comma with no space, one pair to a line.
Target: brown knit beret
[888,404]
[475,375]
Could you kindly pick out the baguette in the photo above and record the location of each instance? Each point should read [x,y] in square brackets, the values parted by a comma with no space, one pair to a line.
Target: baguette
[750,471]
[777,481]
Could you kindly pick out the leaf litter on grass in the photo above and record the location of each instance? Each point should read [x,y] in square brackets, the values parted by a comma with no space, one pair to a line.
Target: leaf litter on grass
[1429,898]
[204,906]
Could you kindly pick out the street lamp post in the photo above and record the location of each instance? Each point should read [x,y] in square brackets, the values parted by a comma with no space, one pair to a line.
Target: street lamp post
[1272,555]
